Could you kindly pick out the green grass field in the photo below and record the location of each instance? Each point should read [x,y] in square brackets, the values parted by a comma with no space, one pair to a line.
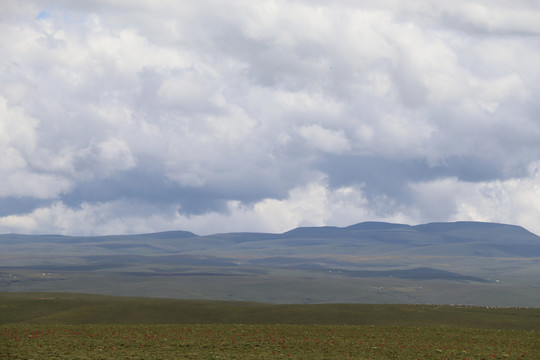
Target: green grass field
[75,309]
[80,326]
[264,342]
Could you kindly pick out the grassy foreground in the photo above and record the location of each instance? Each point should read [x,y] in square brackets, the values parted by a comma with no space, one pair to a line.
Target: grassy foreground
[79,326]
[264,342]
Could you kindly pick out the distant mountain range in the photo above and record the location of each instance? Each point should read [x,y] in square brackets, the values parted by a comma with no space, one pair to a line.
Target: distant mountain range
[367,238]
[376,253]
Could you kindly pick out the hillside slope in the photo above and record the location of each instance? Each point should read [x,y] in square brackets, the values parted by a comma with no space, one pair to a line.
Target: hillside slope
[371,262]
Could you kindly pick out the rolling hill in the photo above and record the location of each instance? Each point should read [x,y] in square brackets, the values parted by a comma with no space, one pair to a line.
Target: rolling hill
[371,262]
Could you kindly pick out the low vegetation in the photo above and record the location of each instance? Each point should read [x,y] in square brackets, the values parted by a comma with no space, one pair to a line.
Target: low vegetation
[263,342]
[483,264]
[79,326]
[75,309]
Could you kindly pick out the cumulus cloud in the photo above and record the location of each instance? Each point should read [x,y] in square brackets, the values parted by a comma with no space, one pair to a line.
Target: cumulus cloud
[510,201]
[326,140]
[129,116]
[314,204]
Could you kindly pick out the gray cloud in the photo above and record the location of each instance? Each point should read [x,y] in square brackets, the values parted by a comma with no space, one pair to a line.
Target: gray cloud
[20,205]
[374,172]
[213,116]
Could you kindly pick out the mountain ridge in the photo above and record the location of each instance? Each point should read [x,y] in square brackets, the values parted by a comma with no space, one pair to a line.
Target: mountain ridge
[366,225]
[459,262]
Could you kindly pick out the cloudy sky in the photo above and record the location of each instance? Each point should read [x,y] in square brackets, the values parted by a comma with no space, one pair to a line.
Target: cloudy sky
[130,116]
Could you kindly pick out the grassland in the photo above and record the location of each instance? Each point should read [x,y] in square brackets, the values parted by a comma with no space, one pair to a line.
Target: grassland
[220,341]
[80,309]
[278,284]
[80,326]
[371,263]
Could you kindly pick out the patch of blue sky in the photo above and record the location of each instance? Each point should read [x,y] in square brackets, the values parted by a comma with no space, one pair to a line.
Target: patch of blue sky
[43,15]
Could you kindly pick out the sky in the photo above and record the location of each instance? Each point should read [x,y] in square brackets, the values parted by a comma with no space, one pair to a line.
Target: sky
[131,116]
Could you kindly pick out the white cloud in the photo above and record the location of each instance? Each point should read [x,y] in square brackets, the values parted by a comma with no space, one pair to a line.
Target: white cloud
[39,186]
[512,201]
[494,18]
[17,130]
[326,140]
[112,155]
[243,105]
[312,205]
[18,147]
